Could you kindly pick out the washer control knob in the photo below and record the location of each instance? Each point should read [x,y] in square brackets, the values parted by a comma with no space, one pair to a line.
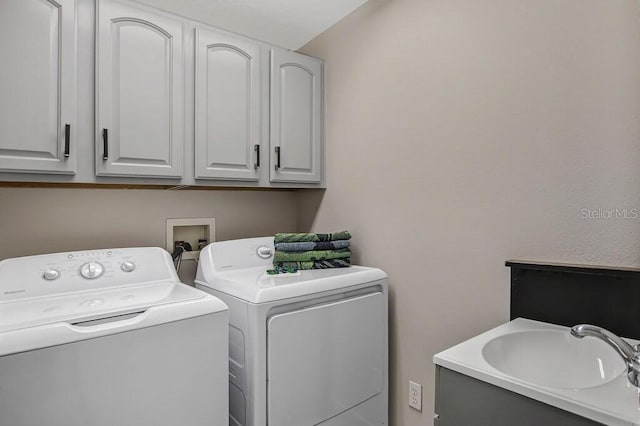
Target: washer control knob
[51,274]
[264,252]
[128,266]
[91,270]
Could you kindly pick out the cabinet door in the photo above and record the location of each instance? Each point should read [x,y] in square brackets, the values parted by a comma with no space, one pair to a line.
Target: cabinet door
[140,89]
[37,86]
[463,400]
[296,117]
[227,106]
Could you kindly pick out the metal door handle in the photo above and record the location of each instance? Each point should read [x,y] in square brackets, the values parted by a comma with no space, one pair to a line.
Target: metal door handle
[67,139]
[277,157]
[256,148]
[105,144]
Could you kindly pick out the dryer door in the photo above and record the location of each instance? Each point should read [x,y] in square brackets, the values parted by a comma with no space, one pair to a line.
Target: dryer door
[324,360]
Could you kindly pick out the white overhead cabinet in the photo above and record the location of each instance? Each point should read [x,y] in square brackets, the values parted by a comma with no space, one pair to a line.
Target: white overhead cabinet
[296,117]
[37,86]
[140,92]
[228,106]
[176,102]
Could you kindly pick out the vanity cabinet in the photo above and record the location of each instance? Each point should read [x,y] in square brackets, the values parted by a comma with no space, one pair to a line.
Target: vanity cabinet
[296,117]
[228,106]
[139,92]
[463,400]
[37,86]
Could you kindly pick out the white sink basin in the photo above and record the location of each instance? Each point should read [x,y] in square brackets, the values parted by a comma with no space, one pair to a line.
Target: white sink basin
[544,362]
[554,358]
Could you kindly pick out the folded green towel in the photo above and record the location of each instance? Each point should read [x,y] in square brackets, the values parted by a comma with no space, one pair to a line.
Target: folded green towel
[321,264]
[299,237]
[310,256]
[280,269]
[313,245]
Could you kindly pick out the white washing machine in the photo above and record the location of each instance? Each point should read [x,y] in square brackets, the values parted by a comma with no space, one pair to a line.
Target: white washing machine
[106,338]
[308,348]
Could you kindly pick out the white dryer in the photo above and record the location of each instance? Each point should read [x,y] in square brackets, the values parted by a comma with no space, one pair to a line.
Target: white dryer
[106,338]
[305,349]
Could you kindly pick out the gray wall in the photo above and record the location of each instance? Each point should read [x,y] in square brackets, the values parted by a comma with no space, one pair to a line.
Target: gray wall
[465,132]
[44,220]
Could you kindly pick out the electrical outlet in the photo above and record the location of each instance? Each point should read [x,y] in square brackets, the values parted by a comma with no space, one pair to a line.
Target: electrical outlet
[415,395]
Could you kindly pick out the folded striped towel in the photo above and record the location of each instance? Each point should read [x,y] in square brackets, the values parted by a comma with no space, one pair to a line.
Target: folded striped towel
[305,236]
[312,245]
[310,256]
[320,264]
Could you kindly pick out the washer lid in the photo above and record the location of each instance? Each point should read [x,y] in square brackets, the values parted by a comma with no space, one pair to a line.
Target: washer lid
[33,324]
[59,298]
[256,286]
[83,285]
[73,308]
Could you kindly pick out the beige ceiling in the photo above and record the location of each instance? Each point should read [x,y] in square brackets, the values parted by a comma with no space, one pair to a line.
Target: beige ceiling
[286,23]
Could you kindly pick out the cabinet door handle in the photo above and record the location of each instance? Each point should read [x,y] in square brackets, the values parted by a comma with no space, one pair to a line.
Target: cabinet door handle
[67,140]
[277,157]
[105,144]
[256,148]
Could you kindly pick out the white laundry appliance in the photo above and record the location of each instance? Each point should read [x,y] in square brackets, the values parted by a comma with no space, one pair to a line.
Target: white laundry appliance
[308,348]
[109,338]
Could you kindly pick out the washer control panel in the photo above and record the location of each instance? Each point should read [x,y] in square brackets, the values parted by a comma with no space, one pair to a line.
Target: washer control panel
[35,276]
[91,270]
[51,274]
[128,266]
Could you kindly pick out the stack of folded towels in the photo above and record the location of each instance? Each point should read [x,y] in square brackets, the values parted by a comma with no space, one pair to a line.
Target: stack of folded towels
[312,251]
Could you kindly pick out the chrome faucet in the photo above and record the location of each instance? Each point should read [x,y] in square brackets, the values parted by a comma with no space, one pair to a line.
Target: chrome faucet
[630,354]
